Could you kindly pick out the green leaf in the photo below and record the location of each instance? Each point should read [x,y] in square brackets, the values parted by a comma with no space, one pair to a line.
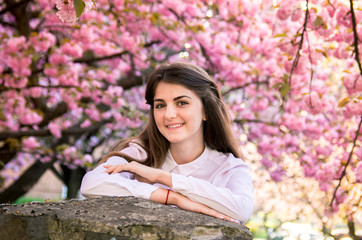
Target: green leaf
[285,78]
[318,21]
[280,35]
[284,89]
[79,6]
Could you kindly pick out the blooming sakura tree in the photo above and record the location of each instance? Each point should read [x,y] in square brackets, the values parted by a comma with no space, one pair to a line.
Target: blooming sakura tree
[73,76]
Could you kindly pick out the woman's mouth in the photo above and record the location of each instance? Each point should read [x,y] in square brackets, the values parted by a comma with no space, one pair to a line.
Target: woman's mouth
[175,125]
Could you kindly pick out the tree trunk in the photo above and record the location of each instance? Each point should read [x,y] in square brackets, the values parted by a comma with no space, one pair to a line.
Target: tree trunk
[73,179]
[352,231]
[24,183]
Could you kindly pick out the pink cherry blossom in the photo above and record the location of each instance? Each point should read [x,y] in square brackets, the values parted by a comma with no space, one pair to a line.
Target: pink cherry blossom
[42,41]
[266,162]
[260,105]
[30,143]
[277,174]
[66,9]
[358,172]
[29,117]
[57,59]
[293,122]
[15,82]
[72,49]
[51,72]
[86,123]
[55,129]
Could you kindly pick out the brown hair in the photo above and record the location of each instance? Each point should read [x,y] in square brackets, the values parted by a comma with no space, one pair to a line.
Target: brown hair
[218,134]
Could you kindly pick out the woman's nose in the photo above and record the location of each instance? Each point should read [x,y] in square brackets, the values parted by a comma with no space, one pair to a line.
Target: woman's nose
[170,112]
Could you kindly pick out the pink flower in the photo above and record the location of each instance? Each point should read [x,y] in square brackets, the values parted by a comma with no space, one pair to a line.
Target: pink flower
[20,65]
[70,153]
[284,11]
[43,41]
[358,152]
[15,45]
[36,92]
[129,42]
[93,113]
[296,15]
[353,83]
[293,122]
[88,158]
[354,107]
[270,130]
[266,162]
[55,129]
[73,50]
[313,130]
[358,172]
[277,174]
[30,143]
[265,145]
[260,105]
[57,59]
[45,159]
[51,72]
[28,117]
[66,9]
[316,103]
[327,173]
[326,151]
[15,82]
[86,123]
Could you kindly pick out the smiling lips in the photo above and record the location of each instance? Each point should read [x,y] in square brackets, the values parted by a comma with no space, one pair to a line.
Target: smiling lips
[175,125]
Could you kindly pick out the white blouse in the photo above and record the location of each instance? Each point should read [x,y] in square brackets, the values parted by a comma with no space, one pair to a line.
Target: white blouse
[220,181]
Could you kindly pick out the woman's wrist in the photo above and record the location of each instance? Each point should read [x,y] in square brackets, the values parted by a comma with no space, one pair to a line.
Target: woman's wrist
[165,178]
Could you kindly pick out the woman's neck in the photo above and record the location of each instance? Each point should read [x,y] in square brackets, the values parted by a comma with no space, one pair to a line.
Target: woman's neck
[183,154]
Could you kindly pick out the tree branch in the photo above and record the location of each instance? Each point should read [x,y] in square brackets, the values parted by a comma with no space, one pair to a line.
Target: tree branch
[355,40]
[311,71]
[244,86]
[45,132]
[242,121]
[13,5]
[348,161]
[89,60]
[296,59]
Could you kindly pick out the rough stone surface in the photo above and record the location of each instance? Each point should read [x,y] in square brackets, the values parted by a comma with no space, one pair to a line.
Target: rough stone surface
[111,218]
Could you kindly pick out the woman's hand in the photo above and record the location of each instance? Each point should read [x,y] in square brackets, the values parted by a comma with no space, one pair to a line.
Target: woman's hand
[143,173]
[185,203]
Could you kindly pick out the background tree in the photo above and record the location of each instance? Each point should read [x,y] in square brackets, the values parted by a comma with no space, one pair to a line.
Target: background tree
[289,70]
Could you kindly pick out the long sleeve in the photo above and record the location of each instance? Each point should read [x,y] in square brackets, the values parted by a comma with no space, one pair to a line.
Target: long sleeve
[236,202]
[99,183]
[220,182]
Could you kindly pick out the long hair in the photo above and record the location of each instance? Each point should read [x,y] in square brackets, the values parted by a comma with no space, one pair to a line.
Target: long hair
[217,130]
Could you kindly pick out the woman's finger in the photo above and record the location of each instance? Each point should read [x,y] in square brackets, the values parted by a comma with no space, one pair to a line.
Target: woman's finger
[114,168]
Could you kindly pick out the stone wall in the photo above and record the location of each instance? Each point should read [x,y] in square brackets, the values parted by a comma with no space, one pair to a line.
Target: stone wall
[111,218]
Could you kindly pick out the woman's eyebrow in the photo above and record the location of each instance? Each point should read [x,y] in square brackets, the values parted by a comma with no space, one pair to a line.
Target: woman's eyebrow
[175,99]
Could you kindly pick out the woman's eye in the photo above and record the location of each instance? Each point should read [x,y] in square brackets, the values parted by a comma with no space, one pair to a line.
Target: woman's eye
[181,103]
[158,106]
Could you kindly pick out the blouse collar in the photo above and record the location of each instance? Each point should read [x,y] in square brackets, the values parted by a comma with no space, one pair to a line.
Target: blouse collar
[186,169]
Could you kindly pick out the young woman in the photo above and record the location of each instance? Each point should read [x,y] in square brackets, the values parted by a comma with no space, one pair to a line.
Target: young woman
[186,155]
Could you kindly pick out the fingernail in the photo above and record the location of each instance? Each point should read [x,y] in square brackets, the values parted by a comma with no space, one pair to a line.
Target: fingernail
[221,217]
[235,221]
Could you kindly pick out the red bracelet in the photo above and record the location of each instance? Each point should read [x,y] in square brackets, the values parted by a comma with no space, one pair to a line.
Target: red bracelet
[168,192]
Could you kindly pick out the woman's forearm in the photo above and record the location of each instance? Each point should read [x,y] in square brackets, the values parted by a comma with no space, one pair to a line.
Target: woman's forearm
[160,195]
[164,178]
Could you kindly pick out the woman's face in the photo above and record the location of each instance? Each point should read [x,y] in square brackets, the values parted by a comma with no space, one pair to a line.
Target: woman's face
[178,114]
